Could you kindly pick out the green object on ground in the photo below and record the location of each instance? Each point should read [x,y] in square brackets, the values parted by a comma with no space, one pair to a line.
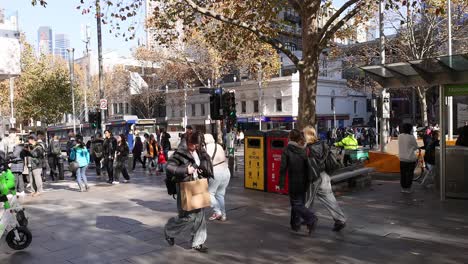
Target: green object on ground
[7,185]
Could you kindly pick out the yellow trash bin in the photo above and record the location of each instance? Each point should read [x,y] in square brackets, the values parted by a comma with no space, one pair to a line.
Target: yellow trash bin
[254,160]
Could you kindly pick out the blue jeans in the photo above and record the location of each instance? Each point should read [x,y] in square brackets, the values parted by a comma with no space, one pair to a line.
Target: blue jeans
[81,177]
[217,188]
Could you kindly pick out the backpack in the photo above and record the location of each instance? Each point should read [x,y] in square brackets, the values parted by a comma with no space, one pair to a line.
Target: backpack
[331,162]
[98,150]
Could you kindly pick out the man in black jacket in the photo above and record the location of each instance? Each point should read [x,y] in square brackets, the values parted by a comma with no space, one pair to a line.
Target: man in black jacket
[97,151]
[294,162]
[183,164]
[109,147]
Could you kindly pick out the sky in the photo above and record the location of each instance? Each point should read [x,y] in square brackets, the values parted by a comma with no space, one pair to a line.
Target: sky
[63,17]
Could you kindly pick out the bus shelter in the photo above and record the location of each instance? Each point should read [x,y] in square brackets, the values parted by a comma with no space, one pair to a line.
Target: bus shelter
[447,73]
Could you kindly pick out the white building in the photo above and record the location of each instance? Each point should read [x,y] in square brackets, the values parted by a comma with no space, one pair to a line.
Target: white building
[277,109]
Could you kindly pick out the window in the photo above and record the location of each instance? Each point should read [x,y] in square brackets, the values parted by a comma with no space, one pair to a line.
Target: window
[243,107]
[332,103]
[127,108]
[181,112]
[193,109]
[120,108]
[355,107]
[114,108]
[255,106]
[202,106]
[279,105]
[172,111]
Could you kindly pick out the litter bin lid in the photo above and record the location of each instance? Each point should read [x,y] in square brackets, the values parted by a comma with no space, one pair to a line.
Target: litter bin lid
[254,133]
[277,133]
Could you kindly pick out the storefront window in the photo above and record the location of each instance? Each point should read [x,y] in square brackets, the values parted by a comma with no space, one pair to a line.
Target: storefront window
[279,105]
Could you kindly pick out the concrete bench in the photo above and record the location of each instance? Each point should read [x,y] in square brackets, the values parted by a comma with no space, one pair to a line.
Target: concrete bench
[351,178]
[344,175]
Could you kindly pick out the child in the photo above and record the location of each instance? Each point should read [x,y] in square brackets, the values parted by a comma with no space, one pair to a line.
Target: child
[162,160]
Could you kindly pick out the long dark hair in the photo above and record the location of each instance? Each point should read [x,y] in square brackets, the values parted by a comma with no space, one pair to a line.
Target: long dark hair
[79,141]
[123,139]
[138,140]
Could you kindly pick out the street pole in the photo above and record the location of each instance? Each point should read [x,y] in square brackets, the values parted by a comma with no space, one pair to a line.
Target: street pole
[12,98]
[260,77]
[450,98]
[101,76]
[383,122]
[88,73]
[185,106]
[71,62]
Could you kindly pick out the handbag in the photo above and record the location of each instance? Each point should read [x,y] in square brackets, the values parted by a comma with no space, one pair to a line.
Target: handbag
[194,195]
[73,166]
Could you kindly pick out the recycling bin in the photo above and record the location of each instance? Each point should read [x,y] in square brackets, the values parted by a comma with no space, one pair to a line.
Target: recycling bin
[254,160]
[276,141]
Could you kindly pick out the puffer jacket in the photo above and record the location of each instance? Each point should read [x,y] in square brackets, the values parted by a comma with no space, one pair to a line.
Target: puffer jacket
[122,152]
[109,147]
[294,162]
[80,154]
[178,163]
[37,154]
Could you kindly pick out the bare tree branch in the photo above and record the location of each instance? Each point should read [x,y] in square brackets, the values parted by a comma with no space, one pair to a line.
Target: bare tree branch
[336,16]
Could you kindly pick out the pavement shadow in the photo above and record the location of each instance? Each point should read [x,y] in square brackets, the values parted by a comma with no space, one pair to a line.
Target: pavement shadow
[157,206]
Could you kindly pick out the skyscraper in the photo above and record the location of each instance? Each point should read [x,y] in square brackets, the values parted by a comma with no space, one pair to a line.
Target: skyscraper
[62,43]
[44,38]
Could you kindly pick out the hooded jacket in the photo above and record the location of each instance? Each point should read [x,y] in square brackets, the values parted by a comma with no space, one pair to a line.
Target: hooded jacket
[294,162]
[178,163]
[317,152]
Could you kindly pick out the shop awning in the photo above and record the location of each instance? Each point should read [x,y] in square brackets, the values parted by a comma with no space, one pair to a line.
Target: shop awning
[426,72]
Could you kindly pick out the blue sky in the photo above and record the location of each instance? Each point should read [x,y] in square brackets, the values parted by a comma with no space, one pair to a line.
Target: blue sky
[63,17]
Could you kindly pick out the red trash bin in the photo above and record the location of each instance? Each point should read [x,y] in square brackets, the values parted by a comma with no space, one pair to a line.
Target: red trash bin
[276,141]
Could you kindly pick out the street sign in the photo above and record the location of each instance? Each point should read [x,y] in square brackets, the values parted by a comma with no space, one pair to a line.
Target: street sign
[386,105]
[13,120]
[454,90]
[103,104]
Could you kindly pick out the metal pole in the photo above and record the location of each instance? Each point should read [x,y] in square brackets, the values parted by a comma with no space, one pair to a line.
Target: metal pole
[71,61]
[450,98]
[12,98]
[88,74]
[383,122]
[185,106]
[442,115]
[101,76]
[260,77]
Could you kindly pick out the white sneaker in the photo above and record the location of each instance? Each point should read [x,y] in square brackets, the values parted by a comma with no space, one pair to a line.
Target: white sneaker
[21,193]
[126,181]
[115,182]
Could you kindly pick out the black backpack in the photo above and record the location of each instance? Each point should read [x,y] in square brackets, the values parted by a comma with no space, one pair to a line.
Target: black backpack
[98,149]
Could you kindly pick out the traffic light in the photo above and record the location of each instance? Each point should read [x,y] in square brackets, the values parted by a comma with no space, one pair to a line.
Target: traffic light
[94,119]
[229,103]
[215,107]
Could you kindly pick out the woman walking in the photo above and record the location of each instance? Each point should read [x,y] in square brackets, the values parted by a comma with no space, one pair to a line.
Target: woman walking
[136,151]
[152,153]
[217,186]
[318,151]
[183,165]
[80,155]
[407,146]
[121,155]
[294,162]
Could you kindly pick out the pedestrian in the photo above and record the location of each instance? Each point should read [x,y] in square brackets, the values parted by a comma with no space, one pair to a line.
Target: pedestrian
[462,139]
[97,152]
[121,155]
[109,147]
[165,142]
[55,153]
[349,143]
[182,165]
[294,162]
[162,161]
[241,137]
[218,185]
[70,144]
[145,148]
[41,139]
[17,168]
[36,152]
[137,152]
[183,141]
[80,155]
[89,146]
[317,150]
[429,159]
[407,146]
[152,153]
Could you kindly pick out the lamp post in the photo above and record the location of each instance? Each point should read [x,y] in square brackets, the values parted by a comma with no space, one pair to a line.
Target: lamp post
[333,108]
[260,77]
[70,63]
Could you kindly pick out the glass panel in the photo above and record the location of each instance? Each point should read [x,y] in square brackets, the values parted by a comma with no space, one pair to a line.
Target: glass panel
[277,144]
[456,62]
[253,143]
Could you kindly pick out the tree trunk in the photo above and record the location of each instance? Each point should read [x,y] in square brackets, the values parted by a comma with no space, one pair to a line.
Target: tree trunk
[423,105]
[308,73]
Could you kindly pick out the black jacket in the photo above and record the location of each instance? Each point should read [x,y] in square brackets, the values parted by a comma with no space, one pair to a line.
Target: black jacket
[294,162]
[138,148]
[110,145]
[165,143]
[122,152]
[317,152]
[429,155]
[178,163]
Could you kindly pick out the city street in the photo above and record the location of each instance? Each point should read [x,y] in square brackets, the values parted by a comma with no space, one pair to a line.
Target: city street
[124,224]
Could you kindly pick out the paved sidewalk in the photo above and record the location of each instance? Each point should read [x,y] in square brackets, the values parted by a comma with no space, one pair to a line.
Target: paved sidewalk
[124,224]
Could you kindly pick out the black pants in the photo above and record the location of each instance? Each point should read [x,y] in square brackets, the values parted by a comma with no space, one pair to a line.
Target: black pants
[97,161]
[121,167]
[109,165]
[299,213]
[407,174]
[56,167]
[137,157]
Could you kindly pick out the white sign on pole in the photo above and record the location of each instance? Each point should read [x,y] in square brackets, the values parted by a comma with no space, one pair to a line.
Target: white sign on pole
[103,104]
[462,114]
